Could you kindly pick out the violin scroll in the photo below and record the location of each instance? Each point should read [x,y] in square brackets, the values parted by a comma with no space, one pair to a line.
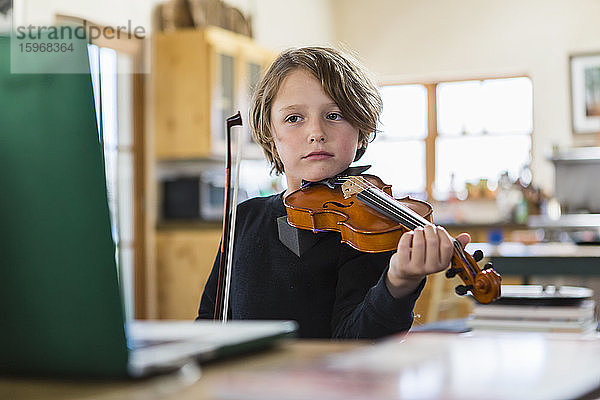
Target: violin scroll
[484,284]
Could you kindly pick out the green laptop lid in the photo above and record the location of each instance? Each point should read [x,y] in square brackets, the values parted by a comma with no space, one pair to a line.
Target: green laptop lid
[59,294]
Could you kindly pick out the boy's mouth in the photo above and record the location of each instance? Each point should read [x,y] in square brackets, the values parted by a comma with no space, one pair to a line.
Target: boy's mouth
[318,155]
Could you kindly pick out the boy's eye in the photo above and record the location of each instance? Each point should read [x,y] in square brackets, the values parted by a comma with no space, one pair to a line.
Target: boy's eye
[334,116]
[292,119]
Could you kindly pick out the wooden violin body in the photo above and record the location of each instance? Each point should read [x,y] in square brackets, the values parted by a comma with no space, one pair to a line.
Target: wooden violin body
[319,208]
[362,209]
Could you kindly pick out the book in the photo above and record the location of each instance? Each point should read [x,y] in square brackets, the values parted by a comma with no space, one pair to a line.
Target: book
[573,326]
[537,309]
[583,311]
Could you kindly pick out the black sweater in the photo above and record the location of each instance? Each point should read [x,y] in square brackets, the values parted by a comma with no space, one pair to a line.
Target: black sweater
[331,290]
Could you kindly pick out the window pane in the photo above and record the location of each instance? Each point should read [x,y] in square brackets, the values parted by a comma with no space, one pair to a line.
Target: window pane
[108,96]
[508,105]
[108,118]
[470,158]
[253,76]
[496,106]
[404,111]
[253,71]
[94,55]
[459,108]
[385,156]
[125,99]
[225,101]
[256,179]
[125,196]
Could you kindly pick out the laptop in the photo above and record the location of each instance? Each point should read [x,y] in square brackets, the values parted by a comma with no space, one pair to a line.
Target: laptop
[61,307]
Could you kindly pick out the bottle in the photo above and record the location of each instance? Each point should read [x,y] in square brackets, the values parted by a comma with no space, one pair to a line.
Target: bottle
[521,212]
[507,197]
[452,196]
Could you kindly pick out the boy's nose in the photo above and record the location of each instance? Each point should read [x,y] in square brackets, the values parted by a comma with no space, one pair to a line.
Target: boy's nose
[317,133]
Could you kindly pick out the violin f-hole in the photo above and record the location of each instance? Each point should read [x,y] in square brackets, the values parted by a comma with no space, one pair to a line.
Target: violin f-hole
[337,204]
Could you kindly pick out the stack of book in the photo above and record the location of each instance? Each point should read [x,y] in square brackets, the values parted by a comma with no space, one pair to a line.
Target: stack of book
[537,308]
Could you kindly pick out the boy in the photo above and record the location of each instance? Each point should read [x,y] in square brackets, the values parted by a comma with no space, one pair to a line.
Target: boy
[313,113]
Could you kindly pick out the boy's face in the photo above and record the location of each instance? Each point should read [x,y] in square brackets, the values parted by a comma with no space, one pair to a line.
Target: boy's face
[313,139]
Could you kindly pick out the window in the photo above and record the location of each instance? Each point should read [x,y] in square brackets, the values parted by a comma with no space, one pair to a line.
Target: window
[477,129]
[113,102]
[401,135]
[115,68]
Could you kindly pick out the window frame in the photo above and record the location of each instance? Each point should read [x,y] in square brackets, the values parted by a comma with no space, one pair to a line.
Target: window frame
[432,124]
[144,292]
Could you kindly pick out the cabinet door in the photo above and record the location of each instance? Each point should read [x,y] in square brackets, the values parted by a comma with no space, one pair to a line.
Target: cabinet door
[184,260]
[224,102]
[255,61]
[181,107]
[200,78]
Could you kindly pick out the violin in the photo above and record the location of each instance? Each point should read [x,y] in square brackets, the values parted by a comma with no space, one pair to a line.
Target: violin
[361,208]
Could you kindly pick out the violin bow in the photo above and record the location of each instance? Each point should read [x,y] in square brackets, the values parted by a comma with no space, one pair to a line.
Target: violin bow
[229,214]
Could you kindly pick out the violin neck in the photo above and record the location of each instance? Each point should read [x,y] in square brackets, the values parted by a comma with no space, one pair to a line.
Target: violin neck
[391,208]
[382,202]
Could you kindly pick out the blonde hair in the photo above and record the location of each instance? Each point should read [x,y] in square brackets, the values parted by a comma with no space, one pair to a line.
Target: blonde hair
[342,78]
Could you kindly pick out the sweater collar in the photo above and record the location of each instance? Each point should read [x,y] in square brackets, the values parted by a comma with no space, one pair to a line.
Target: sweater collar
[278,207]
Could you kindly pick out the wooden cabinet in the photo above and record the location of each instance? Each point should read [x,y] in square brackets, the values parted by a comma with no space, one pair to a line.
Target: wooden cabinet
[184,259]
[198,79]
[201,77]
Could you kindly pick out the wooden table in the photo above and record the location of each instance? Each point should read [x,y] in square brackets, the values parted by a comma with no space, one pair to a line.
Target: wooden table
[187,384]
[519,366]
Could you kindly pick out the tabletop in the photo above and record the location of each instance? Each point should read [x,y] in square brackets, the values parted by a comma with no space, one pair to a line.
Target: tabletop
[415,366]
[189,383]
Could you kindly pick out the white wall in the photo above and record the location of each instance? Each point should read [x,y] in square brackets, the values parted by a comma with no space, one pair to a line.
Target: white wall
[105,12]
[281,24]
[277,24]
[410,40]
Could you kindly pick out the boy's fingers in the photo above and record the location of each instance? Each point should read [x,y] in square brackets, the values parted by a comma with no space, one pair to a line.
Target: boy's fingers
[404,244]
[418,247]
[432,248]
[446,247]
[464,238]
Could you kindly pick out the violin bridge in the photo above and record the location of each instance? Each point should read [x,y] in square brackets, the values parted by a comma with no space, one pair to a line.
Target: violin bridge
[352,186]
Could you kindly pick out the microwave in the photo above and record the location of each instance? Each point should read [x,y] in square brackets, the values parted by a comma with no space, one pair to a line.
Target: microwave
[196,197]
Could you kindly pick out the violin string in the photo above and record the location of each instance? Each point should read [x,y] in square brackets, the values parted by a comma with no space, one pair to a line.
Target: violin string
[403,213]
[391,204]
[408,214]
[385,205]
[416,219]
